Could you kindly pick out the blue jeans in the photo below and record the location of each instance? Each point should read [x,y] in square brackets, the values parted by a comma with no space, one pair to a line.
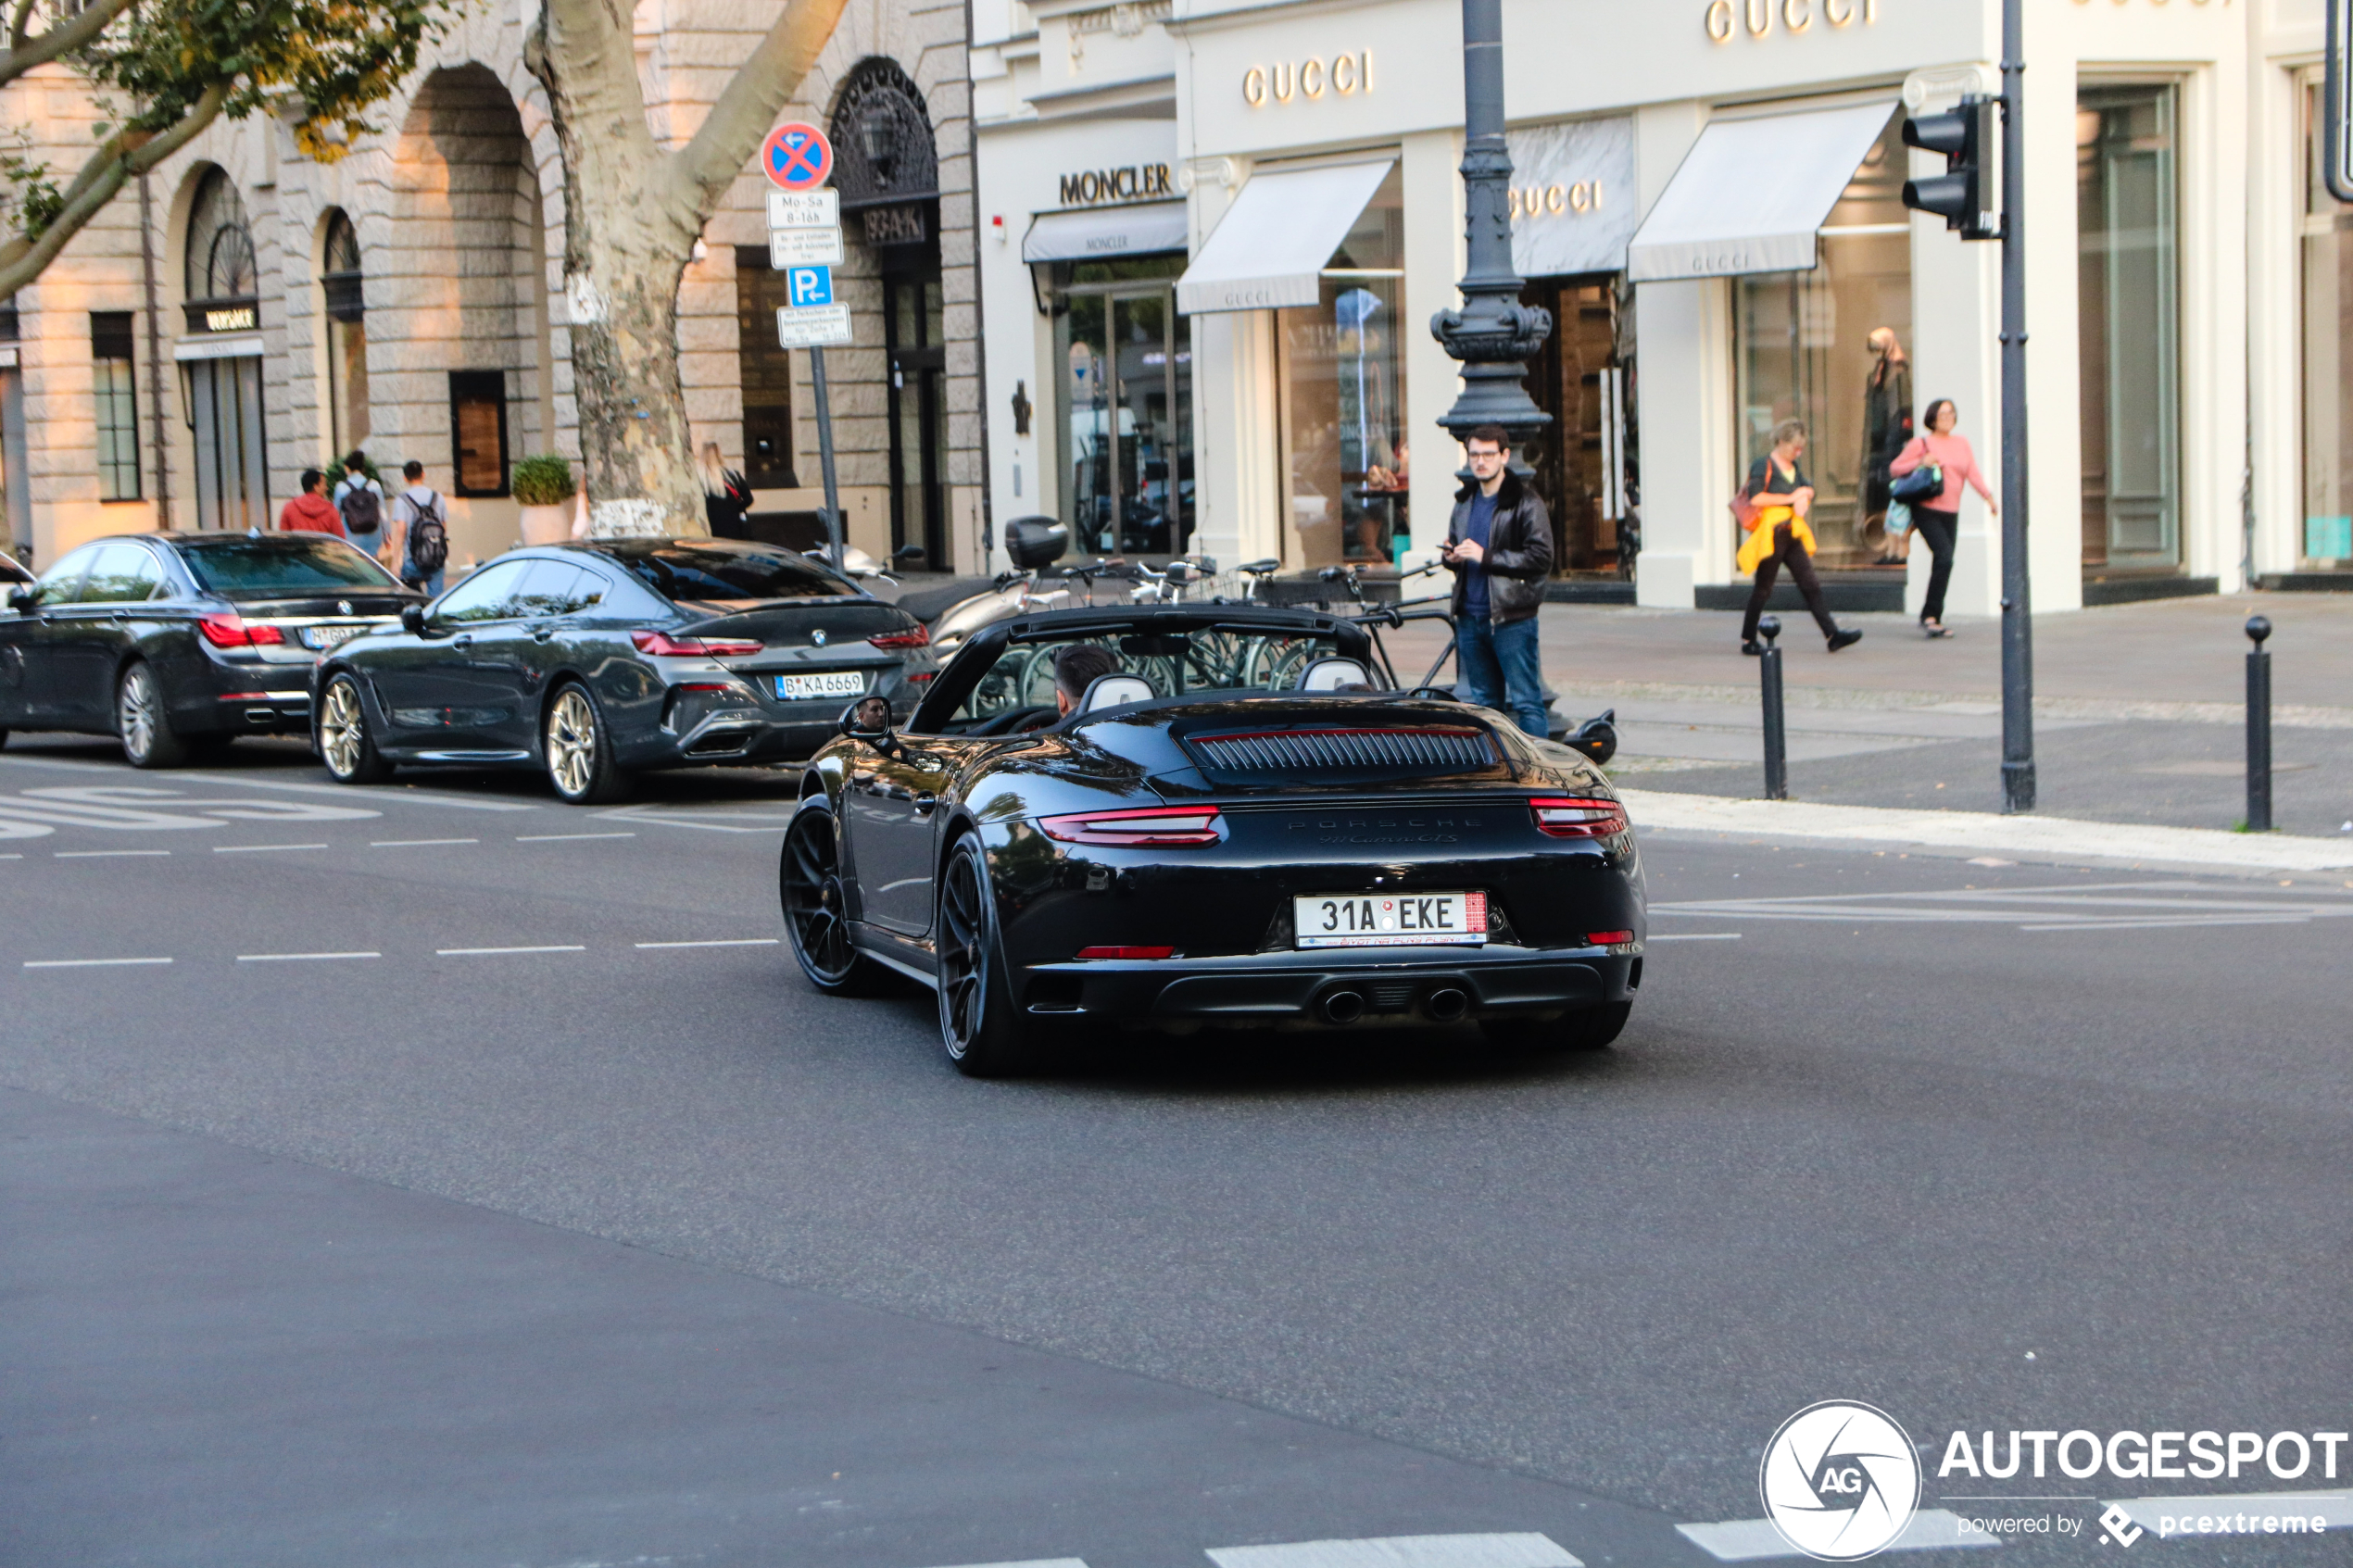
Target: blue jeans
[1499,668]
[430,583]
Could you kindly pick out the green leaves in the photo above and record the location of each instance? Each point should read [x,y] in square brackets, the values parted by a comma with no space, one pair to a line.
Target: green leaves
[321,63]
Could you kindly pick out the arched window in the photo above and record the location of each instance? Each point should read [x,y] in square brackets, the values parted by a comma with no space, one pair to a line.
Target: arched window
[221,264]
[223,382]
[342,297]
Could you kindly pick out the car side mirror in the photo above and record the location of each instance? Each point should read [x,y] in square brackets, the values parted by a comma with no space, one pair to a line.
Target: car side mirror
[868,720]
[24,601]
[413,619]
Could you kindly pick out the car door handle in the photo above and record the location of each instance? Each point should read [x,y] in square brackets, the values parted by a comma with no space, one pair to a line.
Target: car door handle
[925,803]
[541,633]
[465,641]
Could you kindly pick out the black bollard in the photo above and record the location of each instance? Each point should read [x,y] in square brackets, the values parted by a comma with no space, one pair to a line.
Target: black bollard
[1776,739]
[2258,727]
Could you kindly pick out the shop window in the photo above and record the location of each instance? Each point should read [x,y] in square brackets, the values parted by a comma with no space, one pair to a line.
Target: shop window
[1124,398]
[1579,378]
[113,405]
[2325,540]
[766,371]
[1342,384]
[478,432]
[2128,327]
[1804,350]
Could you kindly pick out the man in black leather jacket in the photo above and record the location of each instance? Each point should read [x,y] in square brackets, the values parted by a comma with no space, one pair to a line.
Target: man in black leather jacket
[1500,546]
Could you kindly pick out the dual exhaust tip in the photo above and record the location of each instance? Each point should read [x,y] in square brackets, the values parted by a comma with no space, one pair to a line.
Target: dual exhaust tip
[1442,1004]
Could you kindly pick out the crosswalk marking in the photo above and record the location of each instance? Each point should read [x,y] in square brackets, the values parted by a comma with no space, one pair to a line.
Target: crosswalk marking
[2124,906]
[1748,1540]
[1526,1550]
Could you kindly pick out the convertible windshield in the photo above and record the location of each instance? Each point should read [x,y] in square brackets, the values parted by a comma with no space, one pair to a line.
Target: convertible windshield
[283,563]
[684,572]
[1018,691]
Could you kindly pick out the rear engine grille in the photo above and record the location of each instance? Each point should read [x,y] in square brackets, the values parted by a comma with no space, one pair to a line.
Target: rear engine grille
[1418,748]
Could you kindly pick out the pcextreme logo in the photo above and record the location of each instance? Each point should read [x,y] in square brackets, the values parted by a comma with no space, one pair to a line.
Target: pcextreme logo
[1840,1481]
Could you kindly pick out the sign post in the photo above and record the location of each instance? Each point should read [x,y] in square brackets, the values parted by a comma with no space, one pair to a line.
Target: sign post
[804,242]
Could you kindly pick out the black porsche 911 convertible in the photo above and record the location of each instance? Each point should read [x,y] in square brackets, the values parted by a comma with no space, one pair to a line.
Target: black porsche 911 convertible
[1230,826]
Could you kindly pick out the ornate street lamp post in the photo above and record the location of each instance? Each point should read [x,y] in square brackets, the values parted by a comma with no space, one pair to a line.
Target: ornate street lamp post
[1493,334]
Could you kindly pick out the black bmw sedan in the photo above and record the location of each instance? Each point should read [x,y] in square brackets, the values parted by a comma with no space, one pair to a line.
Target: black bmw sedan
[598,660]
[176,641]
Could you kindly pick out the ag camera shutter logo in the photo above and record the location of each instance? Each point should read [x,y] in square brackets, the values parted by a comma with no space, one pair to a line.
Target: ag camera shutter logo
[1840,1481]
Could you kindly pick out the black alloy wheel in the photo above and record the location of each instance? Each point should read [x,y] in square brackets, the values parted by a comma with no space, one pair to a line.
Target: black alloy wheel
[578,750]
[809,886]
[1587,1029]
[143,720]
[977,1024]
[344,745]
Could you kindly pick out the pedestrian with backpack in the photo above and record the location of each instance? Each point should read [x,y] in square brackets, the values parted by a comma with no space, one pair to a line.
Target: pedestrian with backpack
[360,500]
[419,538]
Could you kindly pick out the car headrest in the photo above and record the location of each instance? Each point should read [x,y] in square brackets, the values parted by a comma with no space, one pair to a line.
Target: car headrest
[1334,674]
[1109,691]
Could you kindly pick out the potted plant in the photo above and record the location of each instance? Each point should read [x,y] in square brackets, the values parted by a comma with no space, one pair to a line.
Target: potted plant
[541,487]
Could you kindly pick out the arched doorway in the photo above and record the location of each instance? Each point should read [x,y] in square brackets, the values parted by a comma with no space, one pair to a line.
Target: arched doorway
[462,290]
[886,167]
[345,329]
[220,354]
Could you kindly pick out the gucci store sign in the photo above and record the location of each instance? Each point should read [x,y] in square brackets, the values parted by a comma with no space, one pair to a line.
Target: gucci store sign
[1573,200]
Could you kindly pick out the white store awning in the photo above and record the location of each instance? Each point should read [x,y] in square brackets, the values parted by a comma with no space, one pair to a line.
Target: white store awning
[1751,194]
[221,345]
[1098,233]
[1275,240]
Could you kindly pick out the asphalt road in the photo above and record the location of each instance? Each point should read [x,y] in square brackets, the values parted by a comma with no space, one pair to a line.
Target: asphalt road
[567,1226]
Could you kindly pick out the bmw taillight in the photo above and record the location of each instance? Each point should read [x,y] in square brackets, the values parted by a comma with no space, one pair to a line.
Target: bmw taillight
[1577,815]
[1139,827]
[663,646]
[232,631]
[915,637]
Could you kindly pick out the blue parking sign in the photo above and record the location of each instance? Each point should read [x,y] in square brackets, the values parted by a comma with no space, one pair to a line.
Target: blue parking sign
[810,286]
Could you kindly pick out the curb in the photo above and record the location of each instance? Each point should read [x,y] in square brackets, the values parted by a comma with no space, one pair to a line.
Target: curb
[2051,838]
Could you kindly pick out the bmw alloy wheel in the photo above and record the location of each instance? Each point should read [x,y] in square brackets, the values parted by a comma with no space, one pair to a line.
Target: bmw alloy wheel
[140,720]
[571,743]
[341,738]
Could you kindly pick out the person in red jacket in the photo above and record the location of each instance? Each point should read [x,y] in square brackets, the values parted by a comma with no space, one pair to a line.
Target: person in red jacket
[311,512]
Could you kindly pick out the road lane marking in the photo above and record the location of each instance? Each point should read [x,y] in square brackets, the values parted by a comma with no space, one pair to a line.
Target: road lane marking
[416,843]
[1524,1549]
[300,958]
[1695,937]
[87,963]
[719,942]
[478,952]
[260,848]
[561,837]
[395,792]
[105,854]
[1747,1540]
[1034,1562]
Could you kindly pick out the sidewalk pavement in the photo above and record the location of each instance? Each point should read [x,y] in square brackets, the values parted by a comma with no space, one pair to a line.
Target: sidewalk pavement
[2140,710]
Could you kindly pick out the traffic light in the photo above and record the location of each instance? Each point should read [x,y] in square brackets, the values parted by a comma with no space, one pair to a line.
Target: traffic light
[1965,194]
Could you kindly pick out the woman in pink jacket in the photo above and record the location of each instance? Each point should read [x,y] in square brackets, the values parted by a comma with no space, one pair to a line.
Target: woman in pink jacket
[1939,520]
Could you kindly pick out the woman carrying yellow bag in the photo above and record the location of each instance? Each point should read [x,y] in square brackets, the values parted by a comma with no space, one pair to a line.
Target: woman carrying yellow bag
[1777,497]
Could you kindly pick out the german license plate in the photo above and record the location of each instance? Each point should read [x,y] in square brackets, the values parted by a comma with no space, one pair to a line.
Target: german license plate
[832,683]
[1390,920]
[329,636]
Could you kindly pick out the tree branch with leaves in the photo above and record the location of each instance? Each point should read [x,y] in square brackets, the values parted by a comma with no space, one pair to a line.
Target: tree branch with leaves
[186,64]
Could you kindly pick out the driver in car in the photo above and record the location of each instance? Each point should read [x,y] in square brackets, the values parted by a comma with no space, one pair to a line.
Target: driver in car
[1079,666]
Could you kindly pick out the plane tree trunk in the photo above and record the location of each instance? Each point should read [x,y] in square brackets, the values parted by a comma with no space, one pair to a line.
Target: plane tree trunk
[632,213]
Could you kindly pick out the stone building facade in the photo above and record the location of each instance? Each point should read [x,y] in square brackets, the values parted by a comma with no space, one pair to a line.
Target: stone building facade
[252,313]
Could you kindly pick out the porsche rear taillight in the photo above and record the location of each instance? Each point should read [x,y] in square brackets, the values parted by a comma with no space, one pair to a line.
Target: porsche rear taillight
[1139,827]
[234,631]
[663,646]
[1577,815]
[1093,954]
